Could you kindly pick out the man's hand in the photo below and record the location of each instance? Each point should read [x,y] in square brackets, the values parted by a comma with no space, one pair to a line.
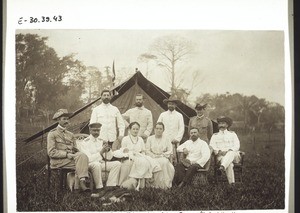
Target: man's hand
[144,136]
[175,141]
[193,162]
[120,138]
[126,150]
[104,149]
[70,156]
[222,153]
[185,151]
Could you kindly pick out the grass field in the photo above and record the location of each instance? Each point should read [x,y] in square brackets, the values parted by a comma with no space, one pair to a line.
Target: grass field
[263,185]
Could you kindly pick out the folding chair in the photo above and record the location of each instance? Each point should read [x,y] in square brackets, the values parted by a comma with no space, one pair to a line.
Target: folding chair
[62,171]
[62,174]
[200,178]
[237,168]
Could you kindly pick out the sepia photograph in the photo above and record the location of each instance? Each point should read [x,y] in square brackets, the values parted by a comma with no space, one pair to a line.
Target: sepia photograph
[182,106]
[149,120]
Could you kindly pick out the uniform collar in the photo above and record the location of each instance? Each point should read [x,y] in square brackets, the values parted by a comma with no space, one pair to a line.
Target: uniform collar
[106,105]
[172,112]
[223,132]
[93,138]
[60,128]
[200,117]
[140,108]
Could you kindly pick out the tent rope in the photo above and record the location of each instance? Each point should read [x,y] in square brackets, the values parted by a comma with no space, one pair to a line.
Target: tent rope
[29,157]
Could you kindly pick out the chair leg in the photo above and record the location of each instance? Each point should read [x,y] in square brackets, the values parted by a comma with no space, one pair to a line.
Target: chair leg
[61,179]
[49,178]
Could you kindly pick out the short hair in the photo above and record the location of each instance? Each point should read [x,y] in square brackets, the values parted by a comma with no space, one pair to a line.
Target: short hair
[194,128]
[133,123]
[139,94]
[160,123]
[105,90]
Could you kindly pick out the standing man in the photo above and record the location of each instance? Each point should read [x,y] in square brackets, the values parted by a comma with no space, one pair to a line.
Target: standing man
[141,115]
[62,149]
[197,154]
[203,123]
[98,153]
[174,125]
[109,116]
[226,146]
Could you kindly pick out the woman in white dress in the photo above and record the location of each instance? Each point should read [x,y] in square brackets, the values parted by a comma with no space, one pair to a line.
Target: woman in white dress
[160,148]
[138,166]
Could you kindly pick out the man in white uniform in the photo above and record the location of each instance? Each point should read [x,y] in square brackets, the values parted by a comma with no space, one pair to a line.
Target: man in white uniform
[98,153]
[174,124]
[141,115]
[197,154]
[226,146]
[109,116]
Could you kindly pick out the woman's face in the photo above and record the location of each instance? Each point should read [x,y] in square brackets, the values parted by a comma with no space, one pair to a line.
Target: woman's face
[134,130]
[159,130]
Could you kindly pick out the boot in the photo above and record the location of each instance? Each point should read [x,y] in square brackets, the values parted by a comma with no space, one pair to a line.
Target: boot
[83,186]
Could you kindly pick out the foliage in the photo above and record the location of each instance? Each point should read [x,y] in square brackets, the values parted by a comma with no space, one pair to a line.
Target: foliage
[263,187]
[254,112]
[46,82]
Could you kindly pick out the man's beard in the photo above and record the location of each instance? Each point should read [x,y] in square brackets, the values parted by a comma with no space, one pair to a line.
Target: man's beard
[64,124]
[171,108]
[106,100]
[194,138]
[222,127]
[139,104]
[95,135]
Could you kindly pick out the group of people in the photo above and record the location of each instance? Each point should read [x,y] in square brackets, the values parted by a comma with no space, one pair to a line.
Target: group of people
[140,159]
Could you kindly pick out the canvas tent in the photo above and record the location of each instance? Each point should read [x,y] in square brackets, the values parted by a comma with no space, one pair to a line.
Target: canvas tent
[124,98]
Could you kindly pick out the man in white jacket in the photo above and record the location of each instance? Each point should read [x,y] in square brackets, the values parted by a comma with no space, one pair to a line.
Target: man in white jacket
[98,153]
[113,126]
[174,124]
[226,146]
[197,153]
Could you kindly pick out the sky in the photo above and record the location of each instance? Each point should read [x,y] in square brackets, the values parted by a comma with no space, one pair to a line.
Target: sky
[234,61]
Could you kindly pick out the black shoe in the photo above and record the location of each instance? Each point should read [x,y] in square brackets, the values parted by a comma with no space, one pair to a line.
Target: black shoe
[83,186]
[221,170]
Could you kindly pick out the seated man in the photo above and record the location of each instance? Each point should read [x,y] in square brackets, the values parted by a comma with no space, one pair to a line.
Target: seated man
[197,154]
[226,146]
[98,153]
[62,150]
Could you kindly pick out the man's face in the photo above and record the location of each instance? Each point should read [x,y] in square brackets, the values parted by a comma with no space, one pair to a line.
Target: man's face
[63,121]
[222,125]
[194,134]
[200,112]
[106,97]
[171,106]
[139,101]
[95,132]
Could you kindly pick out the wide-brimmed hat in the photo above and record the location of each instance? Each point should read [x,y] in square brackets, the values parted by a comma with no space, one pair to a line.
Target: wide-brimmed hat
[95,126]
[225,119]
[62,112]
[171,99]
[200,106]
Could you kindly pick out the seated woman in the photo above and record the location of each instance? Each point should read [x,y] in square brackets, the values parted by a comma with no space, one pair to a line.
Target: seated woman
[138,166]
[160,148]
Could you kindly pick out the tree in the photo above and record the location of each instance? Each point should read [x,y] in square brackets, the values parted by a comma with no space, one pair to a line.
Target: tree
[169,51]
[146,58]
[42,78]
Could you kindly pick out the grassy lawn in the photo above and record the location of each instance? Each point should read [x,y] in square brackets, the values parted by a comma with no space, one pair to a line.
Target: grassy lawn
[263,185]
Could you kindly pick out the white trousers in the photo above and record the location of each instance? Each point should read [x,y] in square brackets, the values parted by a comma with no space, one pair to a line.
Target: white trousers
[227,161]
[113,167]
